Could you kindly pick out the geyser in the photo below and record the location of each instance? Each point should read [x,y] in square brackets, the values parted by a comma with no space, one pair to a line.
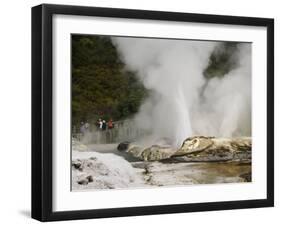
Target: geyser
[173,71]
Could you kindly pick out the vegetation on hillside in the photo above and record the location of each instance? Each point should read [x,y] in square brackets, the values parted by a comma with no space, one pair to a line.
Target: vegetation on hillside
[222,60]
[101,87]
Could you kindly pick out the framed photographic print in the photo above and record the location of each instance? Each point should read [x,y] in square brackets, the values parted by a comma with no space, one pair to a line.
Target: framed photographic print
[145,112]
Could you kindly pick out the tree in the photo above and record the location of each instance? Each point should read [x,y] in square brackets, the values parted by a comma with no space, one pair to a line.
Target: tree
[101,87]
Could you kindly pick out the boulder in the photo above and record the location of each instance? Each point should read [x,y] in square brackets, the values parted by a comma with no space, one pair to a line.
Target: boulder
[123,146]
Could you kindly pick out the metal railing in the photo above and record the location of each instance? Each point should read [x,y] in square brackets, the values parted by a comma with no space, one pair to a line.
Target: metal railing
[122,131]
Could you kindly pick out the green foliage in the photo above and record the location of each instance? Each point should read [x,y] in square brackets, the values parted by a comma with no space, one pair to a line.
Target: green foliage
[101,87]
[222,60]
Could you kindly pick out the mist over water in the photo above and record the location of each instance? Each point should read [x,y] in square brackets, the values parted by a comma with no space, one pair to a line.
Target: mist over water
[182,101]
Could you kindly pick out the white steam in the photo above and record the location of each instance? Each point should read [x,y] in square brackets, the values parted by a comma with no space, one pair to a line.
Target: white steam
[173,71]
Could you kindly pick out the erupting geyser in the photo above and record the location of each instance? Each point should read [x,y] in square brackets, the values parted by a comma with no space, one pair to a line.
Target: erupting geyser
[173,71]
[183,129]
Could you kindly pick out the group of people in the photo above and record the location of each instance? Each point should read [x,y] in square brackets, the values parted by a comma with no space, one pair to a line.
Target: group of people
[103,125]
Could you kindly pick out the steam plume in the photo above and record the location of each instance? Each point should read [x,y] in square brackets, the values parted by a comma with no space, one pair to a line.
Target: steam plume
[177,108]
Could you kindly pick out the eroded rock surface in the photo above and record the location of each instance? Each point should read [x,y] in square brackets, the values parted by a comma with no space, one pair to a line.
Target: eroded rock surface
[208,149]
[157,152]
[197,149]
[200,160]
[91,170]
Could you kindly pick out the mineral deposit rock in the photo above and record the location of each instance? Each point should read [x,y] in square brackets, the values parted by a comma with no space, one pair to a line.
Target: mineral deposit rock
[156,152]
[135,151]
[197,148]
[195,145]
[92,170]
[247,176]
[78,146]
[209,149]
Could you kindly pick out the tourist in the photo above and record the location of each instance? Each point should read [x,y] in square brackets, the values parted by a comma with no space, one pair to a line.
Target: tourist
[110,124]
[82,129]
[100,124]
[87,127]
[103,125]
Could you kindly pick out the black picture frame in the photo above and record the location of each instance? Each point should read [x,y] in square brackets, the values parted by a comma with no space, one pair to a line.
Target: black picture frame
[42,197]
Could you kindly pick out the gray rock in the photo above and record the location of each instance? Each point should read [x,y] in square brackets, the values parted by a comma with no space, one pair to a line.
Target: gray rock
[90,178]
[123,146]
[83,181]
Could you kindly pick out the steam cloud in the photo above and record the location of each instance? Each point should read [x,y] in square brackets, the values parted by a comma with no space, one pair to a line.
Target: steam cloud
[183,102]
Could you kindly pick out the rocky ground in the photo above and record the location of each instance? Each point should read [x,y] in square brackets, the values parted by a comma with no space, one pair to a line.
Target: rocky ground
[200,160]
